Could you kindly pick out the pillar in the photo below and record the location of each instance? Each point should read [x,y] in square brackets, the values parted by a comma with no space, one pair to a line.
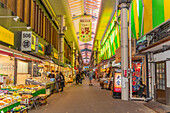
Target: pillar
[15,71]
[94,57]
[124,53]
[62,39]
[98,52]
[72,53]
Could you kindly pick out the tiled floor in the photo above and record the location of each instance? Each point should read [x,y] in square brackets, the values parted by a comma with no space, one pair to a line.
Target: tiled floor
[88,99]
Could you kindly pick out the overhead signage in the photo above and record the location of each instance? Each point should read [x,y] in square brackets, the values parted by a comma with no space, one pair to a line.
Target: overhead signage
[40,48]
[117,82]
[85,25]
[6,36]
[56,55]
[33,42]
[26,40]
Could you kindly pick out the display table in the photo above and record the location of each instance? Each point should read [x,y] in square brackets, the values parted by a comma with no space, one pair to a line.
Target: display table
[49,86]
[41,91]
[9,107]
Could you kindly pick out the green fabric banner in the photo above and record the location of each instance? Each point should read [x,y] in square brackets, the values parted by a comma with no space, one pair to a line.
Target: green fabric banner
[157,12]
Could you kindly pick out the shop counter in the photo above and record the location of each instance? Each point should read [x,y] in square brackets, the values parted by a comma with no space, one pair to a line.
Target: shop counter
[8,107]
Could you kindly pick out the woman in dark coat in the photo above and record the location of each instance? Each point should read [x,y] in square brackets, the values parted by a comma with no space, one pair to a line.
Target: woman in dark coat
[62,82]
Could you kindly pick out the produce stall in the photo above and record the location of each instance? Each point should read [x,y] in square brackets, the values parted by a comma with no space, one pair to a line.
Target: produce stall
[8,107]
[26,95]
[49,85]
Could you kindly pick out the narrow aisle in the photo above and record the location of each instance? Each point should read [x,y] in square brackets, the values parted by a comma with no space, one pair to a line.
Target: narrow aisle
[87,99]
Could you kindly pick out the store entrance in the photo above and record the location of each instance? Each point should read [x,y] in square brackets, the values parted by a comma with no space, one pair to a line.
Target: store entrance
[161,82]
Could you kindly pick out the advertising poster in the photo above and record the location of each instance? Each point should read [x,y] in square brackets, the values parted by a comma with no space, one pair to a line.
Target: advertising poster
[117,82]
[136,76]
[85,29]
[26,41]
[6,36]
[40,48]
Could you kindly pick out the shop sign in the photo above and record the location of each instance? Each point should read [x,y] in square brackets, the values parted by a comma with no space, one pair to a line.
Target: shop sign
[85,29]
[40,48]
[136,76]
[117,82]
[56,55]
[33,42]
[125,73]
[26,41]
[6,36]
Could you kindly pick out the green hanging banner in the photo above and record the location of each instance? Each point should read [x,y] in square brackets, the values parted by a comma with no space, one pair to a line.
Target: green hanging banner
[85,28]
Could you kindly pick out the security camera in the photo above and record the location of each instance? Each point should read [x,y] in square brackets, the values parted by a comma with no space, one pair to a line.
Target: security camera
[16,18]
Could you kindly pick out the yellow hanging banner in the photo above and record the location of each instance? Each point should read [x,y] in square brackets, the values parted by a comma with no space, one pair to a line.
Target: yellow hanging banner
[56,55]
[6,36]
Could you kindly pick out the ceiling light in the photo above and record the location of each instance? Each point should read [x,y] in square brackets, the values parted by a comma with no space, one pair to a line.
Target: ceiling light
[16,18]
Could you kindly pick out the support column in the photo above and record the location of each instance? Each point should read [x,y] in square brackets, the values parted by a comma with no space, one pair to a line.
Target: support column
[62,39]
[94,56]
[98,51]
[15,71]
[124,52]
[72,54]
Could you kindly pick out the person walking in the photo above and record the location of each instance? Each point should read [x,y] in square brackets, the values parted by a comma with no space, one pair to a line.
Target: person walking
[62,82]
[90,77]
[77,77]
[57,81]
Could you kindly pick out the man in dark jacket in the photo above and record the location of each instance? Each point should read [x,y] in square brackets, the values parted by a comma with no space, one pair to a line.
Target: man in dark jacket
[57,81]
[52,76]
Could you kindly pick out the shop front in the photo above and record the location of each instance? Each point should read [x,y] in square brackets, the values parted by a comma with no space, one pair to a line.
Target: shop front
[162,81]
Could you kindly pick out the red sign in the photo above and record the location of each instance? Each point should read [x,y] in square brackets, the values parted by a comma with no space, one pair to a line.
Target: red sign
[125,73]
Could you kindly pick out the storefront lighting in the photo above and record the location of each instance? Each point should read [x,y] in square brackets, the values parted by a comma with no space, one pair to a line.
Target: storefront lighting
[3,55]
[20,58]
[14,17]
[19,27]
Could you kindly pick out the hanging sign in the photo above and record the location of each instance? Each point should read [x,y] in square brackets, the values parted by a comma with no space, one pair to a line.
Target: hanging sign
[33,44]
[85,29]
[117,82]
[26,41]
[40,48]
[6,36]
[56,55]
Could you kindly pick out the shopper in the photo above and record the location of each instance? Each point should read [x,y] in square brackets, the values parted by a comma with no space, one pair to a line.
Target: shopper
[77,77]
[52,76]
[57,81]
[62,82]
[90,77]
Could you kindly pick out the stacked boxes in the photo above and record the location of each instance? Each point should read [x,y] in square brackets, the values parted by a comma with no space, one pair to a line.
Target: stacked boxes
[43,99]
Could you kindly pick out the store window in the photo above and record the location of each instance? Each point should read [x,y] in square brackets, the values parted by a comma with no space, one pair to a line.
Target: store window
[160,75]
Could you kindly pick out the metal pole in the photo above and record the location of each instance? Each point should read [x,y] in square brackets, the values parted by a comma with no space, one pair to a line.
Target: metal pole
[62,39]
[130,52]
[147,77]
[124,52]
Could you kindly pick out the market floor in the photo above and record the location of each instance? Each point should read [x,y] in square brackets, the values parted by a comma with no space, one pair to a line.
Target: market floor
[88,99]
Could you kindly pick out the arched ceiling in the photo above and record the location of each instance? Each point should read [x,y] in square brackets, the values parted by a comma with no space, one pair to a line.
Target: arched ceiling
[91,9]
[73,10]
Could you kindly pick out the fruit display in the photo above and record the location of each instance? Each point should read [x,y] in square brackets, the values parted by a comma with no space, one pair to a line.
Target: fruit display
[19,108]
